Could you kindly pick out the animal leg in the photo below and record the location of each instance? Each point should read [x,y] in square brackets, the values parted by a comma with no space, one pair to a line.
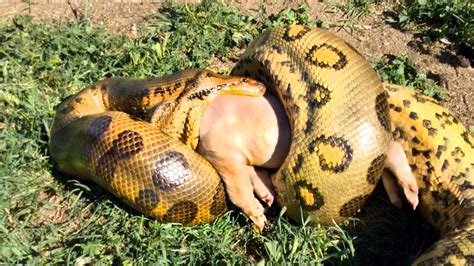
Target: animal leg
[240,189]
[398,165]
[262,185]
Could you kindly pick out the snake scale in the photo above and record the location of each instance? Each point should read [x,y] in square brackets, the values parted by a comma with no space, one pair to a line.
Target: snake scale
[136,138]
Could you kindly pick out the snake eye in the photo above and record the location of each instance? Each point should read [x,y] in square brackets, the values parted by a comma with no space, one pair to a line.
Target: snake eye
[244,80]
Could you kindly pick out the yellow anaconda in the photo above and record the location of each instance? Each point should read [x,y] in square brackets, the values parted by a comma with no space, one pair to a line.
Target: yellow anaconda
[341,129]
[97,135]
[338,114]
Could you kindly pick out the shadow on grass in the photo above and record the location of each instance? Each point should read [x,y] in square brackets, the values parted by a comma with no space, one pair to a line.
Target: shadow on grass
[388,236]
[459,53]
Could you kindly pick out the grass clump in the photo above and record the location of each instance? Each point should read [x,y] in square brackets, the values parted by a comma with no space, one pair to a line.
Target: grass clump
[400,70]
[288,16]
[452,19]
[355,9]
[193,37]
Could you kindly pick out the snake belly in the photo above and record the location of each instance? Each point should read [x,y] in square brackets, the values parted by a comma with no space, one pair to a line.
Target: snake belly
[440,151]
[339,119]
[105,134]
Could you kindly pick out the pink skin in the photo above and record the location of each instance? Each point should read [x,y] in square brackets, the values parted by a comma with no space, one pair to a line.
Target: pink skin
[399,172]
[245,138]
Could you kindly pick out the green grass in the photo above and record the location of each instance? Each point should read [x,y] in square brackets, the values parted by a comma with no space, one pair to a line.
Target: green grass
[47,217]
[452,19]
[355,9]
[400,70]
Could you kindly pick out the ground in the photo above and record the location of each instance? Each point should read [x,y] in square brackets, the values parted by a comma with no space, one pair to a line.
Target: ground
[370,35]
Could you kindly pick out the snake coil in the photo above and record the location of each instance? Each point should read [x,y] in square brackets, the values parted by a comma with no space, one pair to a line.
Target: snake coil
[136,138]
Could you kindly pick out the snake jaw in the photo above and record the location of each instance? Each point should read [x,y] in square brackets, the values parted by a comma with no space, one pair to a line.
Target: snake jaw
[237,85]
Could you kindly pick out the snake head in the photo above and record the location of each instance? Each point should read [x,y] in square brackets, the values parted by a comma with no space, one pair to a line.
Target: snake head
[223,84]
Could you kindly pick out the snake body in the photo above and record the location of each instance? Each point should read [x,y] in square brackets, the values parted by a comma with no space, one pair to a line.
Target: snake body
[104,134]
[338,115]
[440,151]
[136,138]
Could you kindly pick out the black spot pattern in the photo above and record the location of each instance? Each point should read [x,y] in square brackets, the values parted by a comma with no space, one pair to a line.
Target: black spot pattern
[219,204]
[317,96]
[340,64]
[277,48]
[445,165]
[185,135]
[299,163]
[422,99]
[440,150]
[415,140]
[297,36]
[99,126]
[466,138]
[413,115]
[425,153]
[159,91]
[431,130]
[203,94]
[466,185]
[318,200]
[376,168]
[171,171]
[458,152]
[382,110]
[335,142]
[352,206]
[309,126]
[127,144]
[446,119]
[147,199]
[182,212]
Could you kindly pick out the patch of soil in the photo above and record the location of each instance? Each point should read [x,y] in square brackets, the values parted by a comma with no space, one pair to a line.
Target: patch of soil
[115,17]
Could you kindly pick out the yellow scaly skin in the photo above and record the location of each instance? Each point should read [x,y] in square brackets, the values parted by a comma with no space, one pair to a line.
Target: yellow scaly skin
[338,115]
[103,134]
[441,154]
